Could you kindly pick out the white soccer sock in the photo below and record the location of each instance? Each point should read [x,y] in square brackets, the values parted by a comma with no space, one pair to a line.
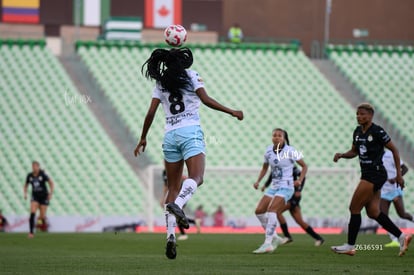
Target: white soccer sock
[171,224]
[392,237]
[270,227]
[263,219]
[187,191]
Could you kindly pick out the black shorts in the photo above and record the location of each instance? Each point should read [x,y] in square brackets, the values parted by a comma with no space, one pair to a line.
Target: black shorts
[294,202]
[41,199]
[377,176]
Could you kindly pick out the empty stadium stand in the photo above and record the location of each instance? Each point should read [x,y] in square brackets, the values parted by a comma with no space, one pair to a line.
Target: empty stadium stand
[385,76]
[45,118]
[275,85]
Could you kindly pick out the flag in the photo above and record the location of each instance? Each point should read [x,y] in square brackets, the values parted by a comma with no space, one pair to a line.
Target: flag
[20,11]
[92,12]
[162,13]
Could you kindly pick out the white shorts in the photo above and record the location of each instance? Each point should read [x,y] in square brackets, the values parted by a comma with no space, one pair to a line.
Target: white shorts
[285,193]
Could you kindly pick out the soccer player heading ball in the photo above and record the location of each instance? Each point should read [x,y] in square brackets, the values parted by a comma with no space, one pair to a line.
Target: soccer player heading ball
[180,91]
[368,144]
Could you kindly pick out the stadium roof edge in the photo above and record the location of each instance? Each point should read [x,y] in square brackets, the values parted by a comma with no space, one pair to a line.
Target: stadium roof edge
[293,46]
[365,48]
[23,42]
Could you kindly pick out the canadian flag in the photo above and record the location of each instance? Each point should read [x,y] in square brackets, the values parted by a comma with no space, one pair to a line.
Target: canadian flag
[162,13]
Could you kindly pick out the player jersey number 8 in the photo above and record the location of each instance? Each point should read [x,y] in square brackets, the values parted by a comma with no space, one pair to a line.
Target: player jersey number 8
[177,105]
[181,109]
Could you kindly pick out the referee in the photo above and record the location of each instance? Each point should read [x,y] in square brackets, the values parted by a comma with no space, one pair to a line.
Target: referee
[41,196]
[368,144]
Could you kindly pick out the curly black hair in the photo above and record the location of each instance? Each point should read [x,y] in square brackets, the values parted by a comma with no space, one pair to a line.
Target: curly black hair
[168,68]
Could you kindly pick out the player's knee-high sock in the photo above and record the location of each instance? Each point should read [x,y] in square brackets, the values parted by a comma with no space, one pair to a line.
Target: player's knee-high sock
[285,230]
[263,219]
[171,223]
[353,228]
[270,227]
[32,222]
[311,232]
[182,231]
[388,225]
[187,191]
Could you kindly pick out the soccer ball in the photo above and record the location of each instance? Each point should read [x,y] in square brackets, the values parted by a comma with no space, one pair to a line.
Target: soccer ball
[175,35]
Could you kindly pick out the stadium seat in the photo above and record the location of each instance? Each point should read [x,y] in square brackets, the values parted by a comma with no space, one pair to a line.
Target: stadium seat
[274,86]
[91,176]
[384,75]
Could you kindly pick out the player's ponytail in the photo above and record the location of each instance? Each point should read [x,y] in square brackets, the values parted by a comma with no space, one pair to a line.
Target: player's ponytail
[286,137]
[168,68]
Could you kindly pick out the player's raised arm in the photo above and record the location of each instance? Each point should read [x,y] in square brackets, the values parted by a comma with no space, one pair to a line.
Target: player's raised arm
[261,175]
[51,188]
[25,190]
[149,118]
[304,166]
[214,104]
[347,155]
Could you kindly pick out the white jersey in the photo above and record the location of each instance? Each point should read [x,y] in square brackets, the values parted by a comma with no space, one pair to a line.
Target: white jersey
[389,164]
[182,110]
[281,164]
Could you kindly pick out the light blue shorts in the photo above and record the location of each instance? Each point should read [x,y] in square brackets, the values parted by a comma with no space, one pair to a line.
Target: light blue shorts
[183,143]
[285,193]
[390,196]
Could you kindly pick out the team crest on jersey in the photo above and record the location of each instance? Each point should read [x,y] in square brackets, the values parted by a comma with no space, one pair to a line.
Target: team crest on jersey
[40,178]
[356,138]
[370,138]
[276,161]
[362,149]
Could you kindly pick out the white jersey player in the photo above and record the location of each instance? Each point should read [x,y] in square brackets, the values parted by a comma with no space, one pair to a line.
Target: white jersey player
[181,109]
[391,192]
[281,157]
[180,92]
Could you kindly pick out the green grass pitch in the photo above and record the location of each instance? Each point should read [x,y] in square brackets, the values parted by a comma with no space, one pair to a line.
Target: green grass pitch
[129,253]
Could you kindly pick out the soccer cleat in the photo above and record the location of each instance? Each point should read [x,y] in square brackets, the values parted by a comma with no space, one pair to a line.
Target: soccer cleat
[319,242]
[183,237]
[392,244]
[264,248]
[344,249]
[276,241]
[404,243]
[30,236]
[285,240]
[179,215]
[170,250]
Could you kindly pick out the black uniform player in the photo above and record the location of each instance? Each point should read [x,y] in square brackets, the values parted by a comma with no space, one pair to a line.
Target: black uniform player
[41,196]
[368,143]
[294,208]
